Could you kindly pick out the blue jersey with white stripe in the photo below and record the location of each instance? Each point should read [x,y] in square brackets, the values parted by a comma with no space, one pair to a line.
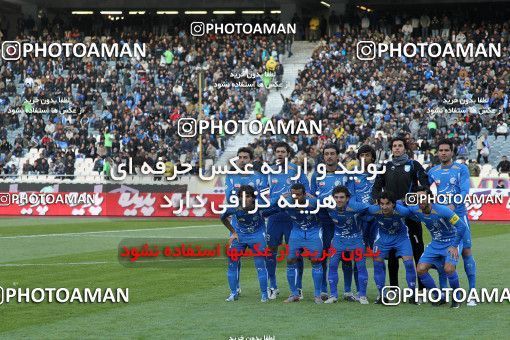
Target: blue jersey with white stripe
[324,188]
[246,223]
[452,179]
[346,219]
[302,218]
[280,184]
[444,224]
[362,188]
[389,226]
[234,182]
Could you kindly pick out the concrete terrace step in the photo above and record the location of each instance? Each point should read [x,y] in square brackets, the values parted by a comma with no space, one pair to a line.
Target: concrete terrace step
[302,51]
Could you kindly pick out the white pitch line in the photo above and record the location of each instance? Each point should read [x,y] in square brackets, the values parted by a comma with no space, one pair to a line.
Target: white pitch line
[109,231]
[96,262]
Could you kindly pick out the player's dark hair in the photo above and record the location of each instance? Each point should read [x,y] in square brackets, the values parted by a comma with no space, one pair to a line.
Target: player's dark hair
[342,188]
[422,188]
[283,145]
[246,149]
[247,189]
[396,139]
[388,196]
[366,149]
[298,186]
[447,142]
[331,146]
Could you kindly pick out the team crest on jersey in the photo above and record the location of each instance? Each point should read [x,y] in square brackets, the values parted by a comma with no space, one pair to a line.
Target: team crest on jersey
[289,181]
[437,181]
[321,184]
[274,181]
[337,183]
[251,184]
[452,180]
[395,224]
[407,168]
[357,180]
[237,185]
[348,221]
[336,221]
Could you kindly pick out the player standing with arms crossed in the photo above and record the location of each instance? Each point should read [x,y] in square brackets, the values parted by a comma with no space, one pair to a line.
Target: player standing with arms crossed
[279,225]
[249,232]
[233,183]
[362,192]
[321,189]
[453,178]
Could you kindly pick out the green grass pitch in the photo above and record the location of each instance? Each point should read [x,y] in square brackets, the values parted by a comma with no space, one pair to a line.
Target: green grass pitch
[186,299]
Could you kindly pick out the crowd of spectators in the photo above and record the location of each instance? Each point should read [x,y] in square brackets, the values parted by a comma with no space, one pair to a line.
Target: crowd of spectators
[126,107]
[369,101]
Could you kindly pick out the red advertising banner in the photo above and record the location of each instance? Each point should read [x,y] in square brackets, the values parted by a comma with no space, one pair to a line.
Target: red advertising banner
[160,205]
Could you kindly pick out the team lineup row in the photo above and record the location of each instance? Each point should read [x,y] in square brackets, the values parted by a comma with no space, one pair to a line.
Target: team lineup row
[366,212]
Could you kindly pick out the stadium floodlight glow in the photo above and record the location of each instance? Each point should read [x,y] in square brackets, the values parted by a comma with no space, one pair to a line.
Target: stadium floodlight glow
[111,12]
[136,12]
[167,12]
[224,12]
[277,11]
[82,12]
[195,12]
[326,4]
[363,8]
[253,12]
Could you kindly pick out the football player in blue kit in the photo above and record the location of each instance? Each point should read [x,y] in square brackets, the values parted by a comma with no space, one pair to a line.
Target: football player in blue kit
[348,237]
[248,232]
[306,233]
[392,233]
[447,231]
[279,225]
[453,178]
[362,192]
[234,181]
[322,188]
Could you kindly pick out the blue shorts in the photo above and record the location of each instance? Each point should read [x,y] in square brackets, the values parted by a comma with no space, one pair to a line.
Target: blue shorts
[436,253]
[278,227]
[400,243]
[347,244]
[310,239]
[250,240]
[466,240]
